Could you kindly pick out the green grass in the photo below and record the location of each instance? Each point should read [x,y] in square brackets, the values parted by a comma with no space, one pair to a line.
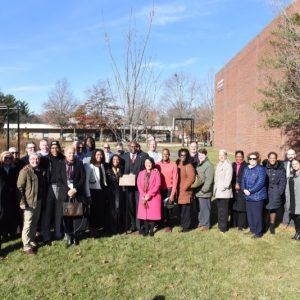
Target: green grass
[193,265]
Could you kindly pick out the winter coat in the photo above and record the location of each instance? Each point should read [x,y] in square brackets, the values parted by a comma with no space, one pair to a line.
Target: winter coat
[239,201]
[205,171]
[78,181]
[254,180]
[223,177]
[152,211]
[28,186]
[186,175]
[293,193]
[276,182]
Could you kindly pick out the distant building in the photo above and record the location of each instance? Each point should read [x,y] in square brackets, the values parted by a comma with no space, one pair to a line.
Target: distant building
[237,125]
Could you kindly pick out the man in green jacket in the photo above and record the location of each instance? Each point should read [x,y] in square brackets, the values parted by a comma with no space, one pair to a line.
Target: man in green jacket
[205,171]
[31,184]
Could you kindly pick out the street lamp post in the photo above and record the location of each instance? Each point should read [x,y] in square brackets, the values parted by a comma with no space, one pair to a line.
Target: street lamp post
[5,107]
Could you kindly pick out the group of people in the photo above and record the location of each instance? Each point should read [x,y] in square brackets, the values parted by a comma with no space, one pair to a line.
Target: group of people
[34,188]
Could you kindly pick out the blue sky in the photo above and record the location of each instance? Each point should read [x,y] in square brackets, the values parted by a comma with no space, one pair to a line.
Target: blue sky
[44,41]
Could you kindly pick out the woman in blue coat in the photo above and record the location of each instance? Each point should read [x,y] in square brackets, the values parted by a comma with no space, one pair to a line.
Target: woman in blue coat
[276,182]
[253,184]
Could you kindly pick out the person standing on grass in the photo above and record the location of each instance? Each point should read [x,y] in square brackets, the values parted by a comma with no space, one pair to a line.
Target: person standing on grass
[30,148]
[222,189]
[169,181]
[10,217]
[80,151]
[253,185]
[53,208]
[134,162]
[71,183]
[115,195]
[276,183]
[152,145]
[290,155]
[194,153]
[239,215]
[32,186]
[90,145]
[293,193]
[95,190]
[186,174]
[205,171]
[149,207]
[107,153]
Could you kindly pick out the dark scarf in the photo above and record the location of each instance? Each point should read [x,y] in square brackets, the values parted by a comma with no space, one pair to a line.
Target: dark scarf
[147,181]
[70,169]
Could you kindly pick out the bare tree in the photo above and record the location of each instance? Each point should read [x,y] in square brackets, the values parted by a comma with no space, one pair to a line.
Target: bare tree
[60,106]
[181,97]
[134,80]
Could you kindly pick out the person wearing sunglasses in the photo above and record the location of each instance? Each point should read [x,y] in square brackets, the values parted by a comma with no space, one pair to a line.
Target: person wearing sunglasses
[18,163]
[30,148]
[253,185]
[9,208]
[80,150]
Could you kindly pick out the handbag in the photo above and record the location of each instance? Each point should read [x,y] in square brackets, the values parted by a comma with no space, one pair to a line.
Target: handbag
[72,208]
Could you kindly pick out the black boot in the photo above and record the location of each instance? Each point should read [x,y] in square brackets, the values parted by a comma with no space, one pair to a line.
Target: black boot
[76,239]
[297,236]
[152,228]
[70,241]
[146,228]
[272,228]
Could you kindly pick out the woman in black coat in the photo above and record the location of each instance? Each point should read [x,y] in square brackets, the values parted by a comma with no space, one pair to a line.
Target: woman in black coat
[276,182]
[9,206]
[239,203]
[71,182]
[116,205]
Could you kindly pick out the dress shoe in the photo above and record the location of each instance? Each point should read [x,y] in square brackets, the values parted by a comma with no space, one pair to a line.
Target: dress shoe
[69,242]
[297,236]
[272,228]
[184,230]
[204,229]
[168,229]
[47,243]
[29,252]
[76,241]
[256,236]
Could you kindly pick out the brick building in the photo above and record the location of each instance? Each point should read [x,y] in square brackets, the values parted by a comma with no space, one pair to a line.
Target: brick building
[237,124]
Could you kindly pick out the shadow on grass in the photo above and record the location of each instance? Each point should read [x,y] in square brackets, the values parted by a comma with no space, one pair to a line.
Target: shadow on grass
[11,248]
[159,297]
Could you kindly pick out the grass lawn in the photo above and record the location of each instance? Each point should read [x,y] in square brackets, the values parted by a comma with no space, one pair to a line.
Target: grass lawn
[192,265]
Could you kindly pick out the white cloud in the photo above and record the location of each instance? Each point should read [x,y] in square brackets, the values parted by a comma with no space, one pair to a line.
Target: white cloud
[29,88]
[177,65]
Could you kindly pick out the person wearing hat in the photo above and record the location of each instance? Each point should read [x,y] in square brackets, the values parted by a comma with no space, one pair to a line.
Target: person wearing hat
[18,163]
[53,207]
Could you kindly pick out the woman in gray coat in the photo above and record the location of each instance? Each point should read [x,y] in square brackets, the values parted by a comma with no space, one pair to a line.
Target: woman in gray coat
[293,191]
[222,189]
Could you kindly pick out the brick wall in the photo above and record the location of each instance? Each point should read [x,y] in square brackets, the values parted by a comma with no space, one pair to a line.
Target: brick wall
[237,124]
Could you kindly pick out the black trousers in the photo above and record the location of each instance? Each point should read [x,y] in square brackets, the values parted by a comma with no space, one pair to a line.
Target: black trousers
[239,219]
[185,216]
[222,205]
[166,212]
[296,219]
[132,202]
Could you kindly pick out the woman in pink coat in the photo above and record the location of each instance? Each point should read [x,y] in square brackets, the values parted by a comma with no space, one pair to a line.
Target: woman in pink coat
[149,208]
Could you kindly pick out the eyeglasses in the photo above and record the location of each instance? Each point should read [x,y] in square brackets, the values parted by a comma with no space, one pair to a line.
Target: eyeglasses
[14,152]
[106,147]
[252,158]
[31,147]
[80,147]
[182,154]
[7,157]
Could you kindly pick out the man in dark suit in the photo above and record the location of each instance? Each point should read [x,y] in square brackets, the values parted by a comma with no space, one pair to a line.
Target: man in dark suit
[290,155]
[134,163]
